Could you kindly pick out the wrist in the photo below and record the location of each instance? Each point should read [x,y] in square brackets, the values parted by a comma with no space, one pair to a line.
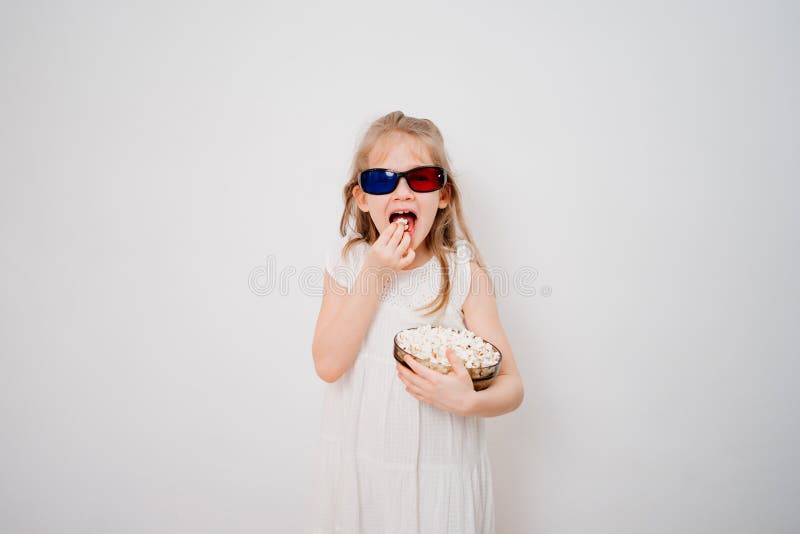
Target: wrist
[380,274]
[471,403]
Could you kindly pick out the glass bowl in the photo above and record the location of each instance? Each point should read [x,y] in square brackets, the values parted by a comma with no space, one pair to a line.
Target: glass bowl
[481,376]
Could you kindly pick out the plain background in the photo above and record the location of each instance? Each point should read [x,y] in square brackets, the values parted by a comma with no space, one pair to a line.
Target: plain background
[642,157]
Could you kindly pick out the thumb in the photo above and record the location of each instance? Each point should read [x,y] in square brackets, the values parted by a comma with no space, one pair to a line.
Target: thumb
[455,361]
[408,257]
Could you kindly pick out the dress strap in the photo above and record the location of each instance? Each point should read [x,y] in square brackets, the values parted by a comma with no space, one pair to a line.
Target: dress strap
[462,276]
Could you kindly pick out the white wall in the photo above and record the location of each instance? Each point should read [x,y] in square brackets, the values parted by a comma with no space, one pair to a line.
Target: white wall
[642,157]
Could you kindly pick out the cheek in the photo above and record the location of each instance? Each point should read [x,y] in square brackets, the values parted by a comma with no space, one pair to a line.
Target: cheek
[379,223]
[430,214]
[377,209]
[376,212]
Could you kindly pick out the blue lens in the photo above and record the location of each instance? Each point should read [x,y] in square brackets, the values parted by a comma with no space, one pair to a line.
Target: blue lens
[378,182]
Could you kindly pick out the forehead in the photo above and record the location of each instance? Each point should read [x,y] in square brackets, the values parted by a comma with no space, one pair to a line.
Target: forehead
[398,150]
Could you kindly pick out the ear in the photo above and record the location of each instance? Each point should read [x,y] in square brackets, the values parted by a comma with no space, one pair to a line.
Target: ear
[361,198]
[444,196]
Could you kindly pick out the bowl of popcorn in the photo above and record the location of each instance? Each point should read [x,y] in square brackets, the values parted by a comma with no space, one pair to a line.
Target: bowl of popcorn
[428,345]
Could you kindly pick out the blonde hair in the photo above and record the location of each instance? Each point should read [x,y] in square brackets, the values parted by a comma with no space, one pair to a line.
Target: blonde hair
[443,234]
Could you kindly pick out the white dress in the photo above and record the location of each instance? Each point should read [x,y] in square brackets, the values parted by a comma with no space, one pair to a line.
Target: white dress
[388,463]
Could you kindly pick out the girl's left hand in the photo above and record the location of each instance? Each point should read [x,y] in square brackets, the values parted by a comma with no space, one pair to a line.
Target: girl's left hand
[452,392]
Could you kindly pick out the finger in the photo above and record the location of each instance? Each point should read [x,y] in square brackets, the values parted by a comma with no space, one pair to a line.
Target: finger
[409,378]
[422,370]
[455,362]
[386,234]
[405,241]
[403,245]
[395,238]
[416,392]
[408,258]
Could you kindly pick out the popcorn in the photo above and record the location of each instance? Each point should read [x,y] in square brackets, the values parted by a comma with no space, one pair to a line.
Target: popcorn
[402,220]
[430,343]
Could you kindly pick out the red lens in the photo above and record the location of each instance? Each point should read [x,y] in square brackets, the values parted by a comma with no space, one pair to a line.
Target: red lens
[426,179]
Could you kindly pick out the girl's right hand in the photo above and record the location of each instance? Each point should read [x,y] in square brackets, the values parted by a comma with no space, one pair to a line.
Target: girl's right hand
[391,250]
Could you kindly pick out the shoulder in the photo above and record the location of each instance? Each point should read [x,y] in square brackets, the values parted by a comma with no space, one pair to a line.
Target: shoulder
[480,306]
[480,281]
[465,270]
[335,252]
[481,316]
[480,295]
[465,257]
[463,253]
[343,264]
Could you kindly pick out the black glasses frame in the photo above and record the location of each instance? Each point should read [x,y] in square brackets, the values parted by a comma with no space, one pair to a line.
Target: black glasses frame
[404,174]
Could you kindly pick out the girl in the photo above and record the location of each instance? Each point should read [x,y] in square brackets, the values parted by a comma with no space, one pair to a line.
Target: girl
[404,451]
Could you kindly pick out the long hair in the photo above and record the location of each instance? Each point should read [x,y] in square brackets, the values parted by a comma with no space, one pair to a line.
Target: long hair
[448,224]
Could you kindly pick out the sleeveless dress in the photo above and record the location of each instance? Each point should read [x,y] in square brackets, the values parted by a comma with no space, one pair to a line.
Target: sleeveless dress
[388,463]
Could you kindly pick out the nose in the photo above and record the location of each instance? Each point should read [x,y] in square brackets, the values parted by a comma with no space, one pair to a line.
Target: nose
[403,190]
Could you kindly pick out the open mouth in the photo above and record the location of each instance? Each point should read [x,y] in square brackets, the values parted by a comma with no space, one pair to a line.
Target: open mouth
[409,216]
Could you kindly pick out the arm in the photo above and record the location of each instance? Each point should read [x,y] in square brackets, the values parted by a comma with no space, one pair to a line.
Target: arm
[344,318]
[480,315]
[454,392]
